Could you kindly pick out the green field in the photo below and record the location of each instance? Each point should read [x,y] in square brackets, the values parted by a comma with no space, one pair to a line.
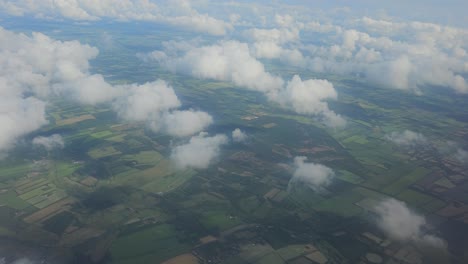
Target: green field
[10,199]
[102,134]
[144,157]
[219,220]
[291,251]
[349,177]
[42,190]
[405,181]
[139,247]
[14,172]
[414,198]
[102,152]
[169,182]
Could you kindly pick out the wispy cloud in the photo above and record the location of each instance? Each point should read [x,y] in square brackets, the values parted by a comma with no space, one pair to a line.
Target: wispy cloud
[54,141]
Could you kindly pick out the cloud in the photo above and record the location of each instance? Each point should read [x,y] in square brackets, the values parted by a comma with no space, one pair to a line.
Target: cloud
[400,223]
[176,13]
[36,68]
[316,176]
[146,101]
[238,135]
[401,55]
[309,97]
[49,143]
[448,149]
[462,156]
[227,61]
[199,152]
[42,66]
[232,61]
[407,138]
[452,150]
[388,52]
[185,123]
[155,103]
[18,117]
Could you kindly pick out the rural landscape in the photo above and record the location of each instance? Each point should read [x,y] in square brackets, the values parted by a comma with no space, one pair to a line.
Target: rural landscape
[376,175]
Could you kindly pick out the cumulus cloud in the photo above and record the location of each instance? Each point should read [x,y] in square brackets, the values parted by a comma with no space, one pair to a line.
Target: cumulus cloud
[227,61]
[18,117]
[238,135]
[405,55]
[177,13]
[407,138]
[309,97]
[54,141]
[36,67]
[155,103]
[400,223]
[42,66]
[185,123]
[400,55]
[232,61]
[199,152]
[146,101]
[317,176]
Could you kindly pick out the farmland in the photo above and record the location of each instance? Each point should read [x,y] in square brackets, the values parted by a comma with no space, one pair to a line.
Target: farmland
[113,194]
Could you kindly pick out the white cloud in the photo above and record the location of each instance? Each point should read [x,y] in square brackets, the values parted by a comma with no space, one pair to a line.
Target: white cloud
[227,61]
[185,123]
[394,53]
[407,138]
[238,135]
[147,101]
[155,103]
[36,67]
[308,97]
[314,175]
[199,152]
[18,117]
[49,143]
[401,55]
[42,66]
[400,223]
[232,61]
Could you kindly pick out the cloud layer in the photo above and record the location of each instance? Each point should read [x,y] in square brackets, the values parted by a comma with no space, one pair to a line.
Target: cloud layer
[176,13]
[401,55]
